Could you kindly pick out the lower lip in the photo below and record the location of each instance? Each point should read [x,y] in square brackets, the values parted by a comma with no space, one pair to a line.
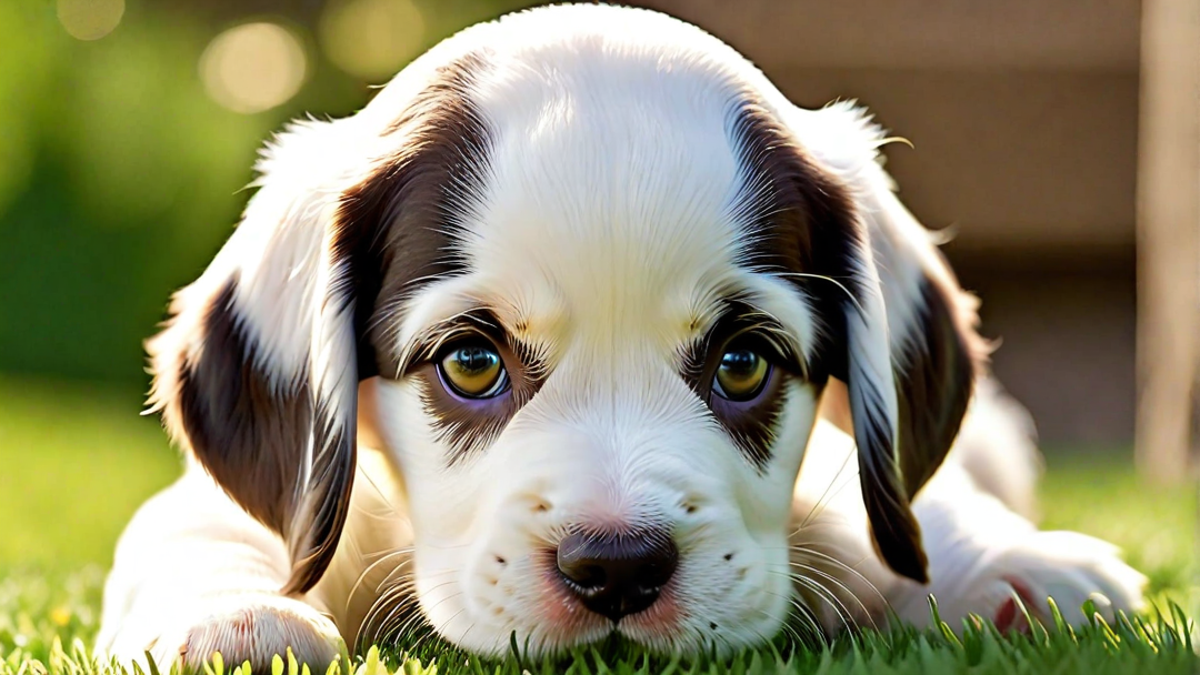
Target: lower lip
[562,618]
[658,622]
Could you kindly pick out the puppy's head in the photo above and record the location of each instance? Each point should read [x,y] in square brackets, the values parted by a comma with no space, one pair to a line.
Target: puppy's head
[604,271]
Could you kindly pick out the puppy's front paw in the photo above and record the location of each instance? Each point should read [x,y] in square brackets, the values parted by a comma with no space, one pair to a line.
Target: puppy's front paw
[252,628]
[1073,568]
[1069,567]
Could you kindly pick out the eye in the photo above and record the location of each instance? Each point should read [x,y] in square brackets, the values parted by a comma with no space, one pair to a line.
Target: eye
[741,374]
[473,370]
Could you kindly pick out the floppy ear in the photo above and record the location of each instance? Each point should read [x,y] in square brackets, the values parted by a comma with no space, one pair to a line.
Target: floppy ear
[911,350]
[257,373]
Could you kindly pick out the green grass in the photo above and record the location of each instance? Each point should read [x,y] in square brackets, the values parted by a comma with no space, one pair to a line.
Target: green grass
[76,462]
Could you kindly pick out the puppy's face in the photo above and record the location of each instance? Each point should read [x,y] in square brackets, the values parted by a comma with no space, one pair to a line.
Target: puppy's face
[603,281]
[600,413]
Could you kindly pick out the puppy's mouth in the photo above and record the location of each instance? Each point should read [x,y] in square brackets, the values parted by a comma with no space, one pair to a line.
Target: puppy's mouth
[638,588]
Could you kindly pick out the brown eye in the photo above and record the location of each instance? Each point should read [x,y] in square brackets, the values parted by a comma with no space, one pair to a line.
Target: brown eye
[474,371]
[741,375]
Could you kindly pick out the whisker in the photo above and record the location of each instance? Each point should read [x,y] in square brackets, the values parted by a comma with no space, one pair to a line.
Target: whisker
[362,576]
[402,618]
[839,586]
[798,611]
[383,496]
[436,632]
[762,637]
[829,493]
[825,595]
[397,599]
[422,615]
[851,569]
[835,282]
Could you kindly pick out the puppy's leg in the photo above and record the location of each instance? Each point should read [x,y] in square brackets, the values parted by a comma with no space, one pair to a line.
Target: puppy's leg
[194,574]
[838,578]
[983,556]
[983,550]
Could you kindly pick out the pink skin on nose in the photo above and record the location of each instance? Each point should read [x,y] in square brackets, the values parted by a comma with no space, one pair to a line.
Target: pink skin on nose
[658,623]
[564,620]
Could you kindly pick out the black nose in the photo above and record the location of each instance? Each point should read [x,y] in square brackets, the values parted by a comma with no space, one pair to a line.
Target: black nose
[617,575]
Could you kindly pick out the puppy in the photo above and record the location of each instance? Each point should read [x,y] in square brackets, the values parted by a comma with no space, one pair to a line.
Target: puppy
[635,346]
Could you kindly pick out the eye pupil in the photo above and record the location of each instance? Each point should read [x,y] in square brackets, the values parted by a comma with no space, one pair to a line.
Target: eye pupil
[741,375]
[475,359]
[741,361]
[474,371]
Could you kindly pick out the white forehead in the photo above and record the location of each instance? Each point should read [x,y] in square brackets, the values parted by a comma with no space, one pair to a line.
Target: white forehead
[610,200]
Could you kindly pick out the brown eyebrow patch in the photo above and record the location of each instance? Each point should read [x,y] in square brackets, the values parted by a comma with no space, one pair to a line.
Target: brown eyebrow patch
[468,426]
[479,320]
[735,317]
[397,229]
[753,428]
[430,341]
[799,222]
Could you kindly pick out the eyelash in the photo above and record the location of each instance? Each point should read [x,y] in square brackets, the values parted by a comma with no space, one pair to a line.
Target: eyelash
[759,342]
[435,344]
[757,339]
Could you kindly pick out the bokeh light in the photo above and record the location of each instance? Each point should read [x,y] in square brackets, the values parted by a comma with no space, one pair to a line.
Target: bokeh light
[90,19]
[253,67]
[371,39]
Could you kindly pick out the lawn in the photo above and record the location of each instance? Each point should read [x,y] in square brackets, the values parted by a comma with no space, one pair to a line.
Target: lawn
[76,461]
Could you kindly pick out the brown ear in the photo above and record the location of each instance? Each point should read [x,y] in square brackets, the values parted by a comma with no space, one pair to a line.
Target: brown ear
[907,376]
[257,373]
[911,315]
[903,343]
[937,369]
[896,328]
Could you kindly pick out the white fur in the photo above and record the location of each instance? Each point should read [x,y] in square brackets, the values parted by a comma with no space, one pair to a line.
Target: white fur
[608,227]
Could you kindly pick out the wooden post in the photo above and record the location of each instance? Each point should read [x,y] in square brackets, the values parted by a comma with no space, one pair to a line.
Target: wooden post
[1168,237]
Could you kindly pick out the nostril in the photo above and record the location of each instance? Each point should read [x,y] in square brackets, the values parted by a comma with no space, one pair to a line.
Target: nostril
[617,575]
[587,576]
[656,572]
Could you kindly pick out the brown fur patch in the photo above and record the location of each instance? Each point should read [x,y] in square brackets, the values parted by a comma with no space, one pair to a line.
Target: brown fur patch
[251,431]
[934,389]
[469,426]
[803,222]
[396,225]
[753,426]
[237,423]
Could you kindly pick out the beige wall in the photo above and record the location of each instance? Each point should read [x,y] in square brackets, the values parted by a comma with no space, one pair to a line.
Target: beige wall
[1035,172]
[1023,114]
[1013,159]
[1067,343]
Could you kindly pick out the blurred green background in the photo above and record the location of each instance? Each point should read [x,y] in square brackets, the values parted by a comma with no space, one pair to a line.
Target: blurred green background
[123,154]
[128,130]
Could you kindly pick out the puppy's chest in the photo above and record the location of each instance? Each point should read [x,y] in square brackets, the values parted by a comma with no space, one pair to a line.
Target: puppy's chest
[374,556]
